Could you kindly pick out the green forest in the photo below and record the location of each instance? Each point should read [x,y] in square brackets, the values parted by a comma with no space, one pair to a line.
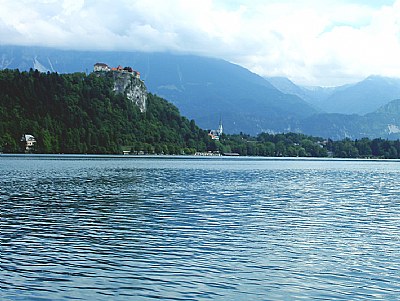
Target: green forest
[80,114]
[300,145]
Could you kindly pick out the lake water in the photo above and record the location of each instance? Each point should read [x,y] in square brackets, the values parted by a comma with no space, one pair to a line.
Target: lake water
[125,228]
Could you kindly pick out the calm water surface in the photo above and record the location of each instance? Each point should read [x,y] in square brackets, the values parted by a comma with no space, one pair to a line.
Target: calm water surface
[118,228]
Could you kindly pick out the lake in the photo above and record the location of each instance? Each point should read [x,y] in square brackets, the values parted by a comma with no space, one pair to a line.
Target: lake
[189,228]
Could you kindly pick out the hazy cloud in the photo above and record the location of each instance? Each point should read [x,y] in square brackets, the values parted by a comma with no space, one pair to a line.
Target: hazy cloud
[322,42]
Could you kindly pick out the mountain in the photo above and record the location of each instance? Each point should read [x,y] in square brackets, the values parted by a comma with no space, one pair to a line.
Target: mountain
[363,97]
[314,95]
[382,123]
[286,86]
[386,119]
[204,89]
[359,98]
[364,109]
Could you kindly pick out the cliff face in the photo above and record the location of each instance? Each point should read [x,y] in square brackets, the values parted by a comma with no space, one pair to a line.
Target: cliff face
[134,89]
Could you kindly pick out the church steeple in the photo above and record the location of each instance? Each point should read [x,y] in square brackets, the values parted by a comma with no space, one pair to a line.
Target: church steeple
[220,129]
[215,134]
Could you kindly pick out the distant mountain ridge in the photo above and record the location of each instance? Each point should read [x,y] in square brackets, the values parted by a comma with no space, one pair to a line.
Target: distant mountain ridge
[368,108]
[312,95]
[383,123]
[363,97]
[206,89]
[359,98]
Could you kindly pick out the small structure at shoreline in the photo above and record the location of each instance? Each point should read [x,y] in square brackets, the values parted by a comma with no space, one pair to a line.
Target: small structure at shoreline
[28,142]
[208,154]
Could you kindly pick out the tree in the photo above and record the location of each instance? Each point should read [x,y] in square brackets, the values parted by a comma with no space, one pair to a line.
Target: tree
[75,113]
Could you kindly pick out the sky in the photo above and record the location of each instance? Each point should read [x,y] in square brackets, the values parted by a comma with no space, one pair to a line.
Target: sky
[312,42]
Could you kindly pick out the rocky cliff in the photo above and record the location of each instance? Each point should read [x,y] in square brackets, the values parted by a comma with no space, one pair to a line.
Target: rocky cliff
[131,86]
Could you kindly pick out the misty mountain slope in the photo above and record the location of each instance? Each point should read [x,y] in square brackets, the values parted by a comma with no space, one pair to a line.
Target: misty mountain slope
[386,117]
[383,123]
[314,95]
[363,97]
[333,125]
[360,98]
[286,86]
[202,88]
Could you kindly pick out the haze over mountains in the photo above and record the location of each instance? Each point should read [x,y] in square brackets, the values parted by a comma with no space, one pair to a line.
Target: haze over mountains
[205,89]
[359,98]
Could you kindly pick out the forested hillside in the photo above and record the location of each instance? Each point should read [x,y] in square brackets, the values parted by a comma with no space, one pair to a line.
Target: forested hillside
[78,113]
[202,88]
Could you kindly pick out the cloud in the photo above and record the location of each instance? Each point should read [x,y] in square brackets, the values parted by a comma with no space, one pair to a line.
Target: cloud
[327,42]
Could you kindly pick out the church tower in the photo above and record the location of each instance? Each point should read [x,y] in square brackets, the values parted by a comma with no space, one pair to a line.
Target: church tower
[220,129]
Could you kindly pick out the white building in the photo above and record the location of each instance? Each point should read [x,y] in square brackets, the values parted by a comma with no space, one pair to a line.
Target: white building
[101,67]
[29,141]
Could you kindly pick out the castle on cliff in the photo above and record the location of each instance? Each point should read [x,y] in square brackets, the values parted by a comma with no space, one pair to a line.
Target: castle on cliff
[127,82]
[101,67]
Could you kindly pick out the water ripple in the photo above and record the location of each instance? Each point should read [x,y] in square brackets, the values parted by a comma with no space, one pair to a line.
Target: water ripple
[193,229]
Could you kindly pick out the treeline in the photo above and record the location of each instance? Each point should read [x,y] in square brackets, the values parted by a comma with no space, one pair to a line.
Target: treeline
[269,145]
[365,148]
[300,145]
[78,113]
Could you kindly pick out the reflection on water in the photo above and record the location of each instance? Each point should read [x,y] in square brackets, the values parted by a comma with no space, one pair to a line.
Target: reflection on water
[99,228]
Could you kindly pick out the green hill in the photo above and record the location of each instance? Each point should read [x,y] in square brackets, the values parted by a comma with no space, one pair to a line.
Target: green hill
[202,88]
[78,113]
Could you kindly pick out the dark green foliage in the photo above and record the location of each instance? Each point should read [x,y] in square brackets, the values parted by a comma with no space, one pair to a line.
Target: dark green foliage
[300,145]
[279,145]
[75,113]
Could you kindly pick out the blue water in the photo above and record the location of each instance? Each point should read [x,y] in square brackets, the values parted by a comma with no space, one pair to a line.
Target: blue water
[123,228]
